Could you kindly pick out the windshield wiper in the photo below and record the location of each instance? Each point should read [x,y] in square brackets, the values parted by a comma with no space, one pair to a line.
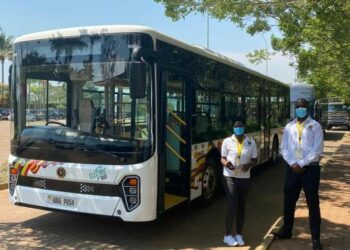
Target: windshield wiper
[97,149]
[24,145]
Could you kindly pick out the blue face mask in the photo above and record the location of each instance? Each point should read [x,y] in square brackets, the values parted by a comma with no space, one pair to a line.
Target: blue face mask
[238,130]
[301,112]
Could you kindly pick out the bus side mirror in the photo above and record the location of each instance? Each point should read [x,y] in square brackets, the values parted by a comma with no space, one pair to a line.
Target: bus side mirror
[137,73]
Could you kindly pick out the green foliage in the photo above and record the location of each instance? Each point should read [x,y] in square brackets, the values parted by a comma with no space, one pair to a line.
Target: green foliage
[315,32]
[5,50]
[5,97]
[259,56]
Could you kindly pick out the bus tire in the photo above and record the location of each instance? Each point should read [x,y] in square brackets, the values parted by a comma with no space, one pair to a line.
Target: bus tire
[210,183]
[275,151]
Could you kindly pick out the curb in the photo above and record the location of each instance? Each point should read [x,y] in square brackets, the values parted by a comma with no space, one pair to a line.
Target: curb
[3,186]
[268,238]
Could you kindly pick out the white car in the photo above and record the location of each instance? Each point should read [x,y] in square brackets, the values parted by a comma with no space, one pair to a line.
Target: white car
[30,117]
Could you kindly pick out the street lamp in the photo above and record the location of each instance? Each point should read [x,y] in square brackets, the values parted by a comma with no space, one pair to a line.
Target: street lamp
[267,53]
[208,31]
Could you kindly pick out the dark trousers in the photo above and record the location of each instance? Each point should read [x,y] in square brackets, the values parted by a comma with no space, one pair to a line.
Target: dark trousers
[309,181]
[236,190]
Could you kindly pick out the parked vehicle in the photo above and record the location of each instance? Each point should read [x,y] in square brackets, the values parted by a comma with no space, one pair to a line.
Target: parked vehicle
[166,108]
[30,117]
[10,117]
[4,113]
[54,115]
[338,113]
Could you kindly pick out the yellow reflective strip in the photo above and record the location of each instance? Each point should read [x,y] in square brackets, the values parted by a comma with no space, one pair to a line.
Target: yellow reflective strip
[175,134]
[177,117]
[175,153]
[18,163]
[25,167]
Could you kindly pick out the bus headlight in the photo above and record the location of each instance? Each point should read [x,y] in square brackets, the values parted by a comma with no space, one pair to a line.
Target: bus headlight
[13,175]
[131,192]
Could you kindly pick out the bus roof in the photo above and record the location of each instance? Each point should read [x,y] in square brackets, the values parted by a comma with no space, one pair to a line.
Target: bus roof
[115,29]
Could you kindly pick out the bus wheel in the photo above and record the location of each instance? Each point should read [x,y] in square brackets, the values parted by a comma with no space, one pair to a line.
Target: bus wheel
[210,181]
[274,151]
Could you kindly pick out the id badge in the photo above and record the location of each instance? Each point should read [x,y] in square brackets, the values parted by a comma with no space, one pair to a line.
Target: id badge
[299,153]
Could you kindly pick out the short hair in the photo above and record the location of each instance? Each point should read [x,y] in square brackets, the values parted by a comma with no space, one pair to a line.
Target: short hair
[238,123]
[302,100]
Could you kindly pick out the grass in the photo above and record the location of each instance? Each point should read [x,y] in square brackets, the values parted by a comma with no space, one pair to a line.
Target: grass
[3,173]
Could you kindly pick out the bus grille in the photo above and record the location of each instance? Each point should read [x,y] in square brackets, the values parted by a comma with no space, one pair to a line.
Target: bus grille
[70,186]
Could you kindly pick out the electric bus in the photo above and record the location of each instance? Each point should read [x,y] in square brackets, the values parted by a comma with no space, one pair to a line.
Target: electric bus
[142,119]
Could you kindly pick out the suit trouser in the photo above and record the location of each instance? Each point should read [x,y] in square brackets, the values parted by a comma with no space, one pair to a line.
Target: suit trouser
[236,190]
[309,181]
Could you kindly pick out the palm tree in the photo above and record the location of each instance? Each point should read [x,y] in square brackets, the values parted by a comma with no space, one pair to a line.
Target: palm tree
[5,52]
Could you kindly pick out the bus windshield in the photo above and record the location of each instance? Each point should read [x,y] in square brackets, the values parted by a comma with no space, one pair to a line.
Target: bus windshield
[73,102]
[337,108]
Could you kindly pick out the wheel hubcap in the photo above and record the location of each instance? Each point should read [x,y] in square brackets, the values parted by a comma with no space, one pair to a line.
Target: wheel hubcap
[209,182]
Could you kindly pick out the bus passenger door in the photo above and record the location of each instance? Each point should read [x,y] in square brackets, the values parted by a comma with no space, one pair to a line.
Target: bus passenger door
[175,143]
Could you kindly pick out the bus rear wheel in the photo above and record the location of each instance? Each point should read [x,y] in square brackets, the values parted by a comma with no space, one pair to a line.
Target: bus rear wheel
[210,183]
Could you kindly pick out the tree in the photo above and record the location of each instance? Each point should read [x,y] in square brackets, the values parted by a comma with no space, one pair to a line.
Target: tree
[5,98]
[315,32]
[5,51]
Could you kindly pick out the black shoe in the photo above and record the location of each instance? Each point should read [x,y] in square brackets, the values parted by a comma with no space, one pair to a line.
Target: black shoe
[316,245]
[282,235]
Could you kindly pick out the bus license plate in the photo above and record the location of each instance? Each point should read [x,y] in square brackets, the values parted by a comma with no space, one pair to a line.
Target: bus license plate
[62,201]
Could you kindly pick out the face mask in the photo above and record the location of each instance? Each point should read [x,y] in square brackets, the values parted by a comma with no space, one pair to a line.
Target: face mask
[238,130]
[301,112]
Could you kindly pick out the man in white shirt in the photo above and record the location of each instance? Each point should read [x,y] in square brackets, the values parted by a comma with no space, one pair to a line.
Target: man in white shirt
[301,148]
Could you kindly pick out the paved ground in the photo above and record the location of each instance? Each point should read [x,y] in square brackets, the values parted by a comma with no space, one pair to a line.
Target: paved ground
[192,226]
[186,227]
[335,207]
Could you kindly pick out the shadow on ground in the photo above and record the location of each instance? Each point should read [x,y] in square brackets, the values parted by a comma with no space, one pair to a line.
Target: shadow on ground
[188,226]
[332,238]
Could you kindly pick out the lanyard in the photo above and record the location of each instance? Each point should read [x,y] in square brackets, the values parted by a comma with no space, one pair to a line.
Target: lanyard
[239,149]
[300,131]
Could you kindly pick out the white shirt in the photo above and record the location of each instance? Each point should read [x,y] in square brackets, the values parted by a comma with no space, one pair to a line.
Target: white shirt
[229,150]
[311,142]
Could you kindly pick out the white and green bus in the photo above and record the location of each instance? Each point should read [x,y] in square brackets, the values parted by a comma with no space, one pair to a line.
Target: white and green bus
[125,121]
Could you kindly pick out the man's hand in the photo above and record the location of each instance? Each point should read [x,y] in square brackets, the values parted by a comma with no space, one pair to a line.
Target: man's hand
[229,165]
[297,169]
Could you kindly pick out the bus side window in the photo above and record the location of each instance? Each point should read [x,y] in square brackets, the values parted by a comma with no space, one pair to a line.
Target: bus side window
[202,122]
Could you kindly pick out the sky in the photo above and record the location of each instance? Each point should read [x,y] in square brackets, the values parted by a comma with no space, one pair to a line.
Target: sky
[19,17]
